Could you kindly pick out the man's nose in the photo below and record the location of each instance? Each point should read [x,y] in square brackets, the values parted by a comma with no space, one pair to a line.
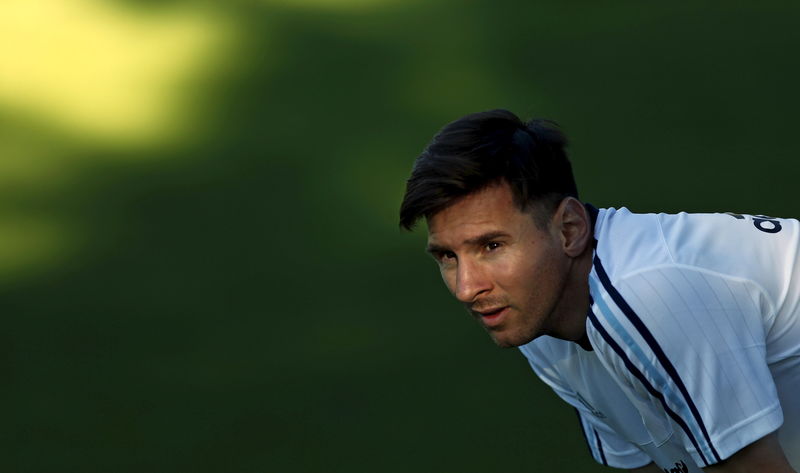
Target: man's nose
[471,281]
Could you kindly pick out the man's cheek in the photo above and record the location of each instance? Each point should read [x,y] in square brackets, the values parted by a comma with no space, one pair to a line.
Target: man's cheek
[449,281]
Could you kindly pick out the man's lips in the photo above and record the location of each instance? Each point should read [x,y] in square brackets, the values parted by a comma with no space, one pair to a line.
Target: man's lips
[493,317]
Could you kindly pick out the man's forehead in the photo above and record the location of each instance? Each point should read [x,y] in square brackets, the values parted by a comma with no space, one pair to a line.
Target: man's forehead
[474,228]
[491,204]
[459,222]
[490,200]
[461,232]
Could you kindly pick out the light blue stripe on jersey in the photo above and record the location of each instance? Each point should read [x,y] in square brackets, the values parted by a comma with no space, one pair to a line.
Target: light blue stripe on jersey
[653,372]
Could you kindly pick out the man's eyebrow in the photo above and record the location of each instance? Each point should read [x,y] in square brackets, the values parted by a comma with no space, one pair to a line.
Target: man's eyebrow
[435,249]
[479,240]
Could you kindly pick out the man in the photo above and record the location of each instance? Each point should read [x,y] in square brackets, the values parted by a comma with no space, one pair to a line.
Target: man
[675,337]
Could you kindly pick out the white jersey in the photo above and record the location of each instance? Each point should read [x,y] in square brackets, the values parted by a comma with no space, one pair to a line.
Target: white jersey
[695,329]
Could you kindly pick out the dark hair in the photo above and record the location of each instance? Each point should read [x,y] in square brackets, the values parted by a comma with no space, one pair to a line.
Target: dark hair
[486,148]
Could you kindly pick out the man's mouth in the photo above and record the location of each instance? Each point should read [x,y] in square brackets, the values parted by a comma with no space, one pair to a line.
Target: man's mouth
[493,317]
[490,312]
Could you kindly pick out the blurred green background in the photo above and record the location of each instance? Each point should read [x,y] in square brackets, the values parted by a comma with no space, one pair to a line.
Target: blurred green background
[200,265]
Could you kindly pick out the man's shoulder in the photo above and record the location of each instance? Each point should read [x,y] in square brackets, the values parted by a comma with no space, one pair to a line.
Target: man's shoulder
[698,247]
[626,241]
[651,238]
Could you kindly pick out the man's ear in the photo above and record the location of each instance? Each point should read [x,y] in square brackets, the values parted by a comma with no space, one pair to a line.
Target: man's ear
[574,226]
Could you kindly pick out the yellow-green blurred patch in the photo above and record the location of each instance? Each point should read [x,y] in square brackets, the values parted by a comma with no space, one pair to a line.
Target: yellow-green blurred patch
[102,72]
[90,80]
[334,4]
[28,244]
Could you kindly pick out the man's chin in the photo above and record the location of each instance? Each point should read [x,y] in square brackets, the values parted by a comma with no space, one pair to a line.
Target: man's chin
[510,340]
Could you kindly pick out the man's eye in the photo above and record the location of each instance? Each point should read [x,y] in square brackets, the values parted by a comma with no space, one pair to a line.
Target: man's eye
[492,245]
[444,257]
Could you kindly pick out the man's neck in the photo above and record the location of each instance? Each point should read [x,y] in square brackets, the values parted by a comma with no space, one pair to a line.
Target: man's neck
[574,312]
[581,297]
[584,342]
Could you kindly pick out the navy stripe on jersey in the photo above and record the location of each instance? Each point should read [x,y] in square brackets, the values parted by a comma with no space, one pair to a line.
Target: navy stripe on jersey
[657,350]
[583,430]
[638,375]
[600,447]
[598,443]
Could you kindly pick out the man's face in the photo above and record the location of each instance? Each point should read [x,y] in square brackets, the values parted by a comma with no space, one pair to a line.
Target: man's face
[509,273]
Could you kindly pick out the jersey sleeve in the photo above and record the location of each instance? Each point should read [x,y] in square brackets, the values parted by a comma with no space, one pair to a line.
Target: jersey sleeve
[688,348]
[605,445]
